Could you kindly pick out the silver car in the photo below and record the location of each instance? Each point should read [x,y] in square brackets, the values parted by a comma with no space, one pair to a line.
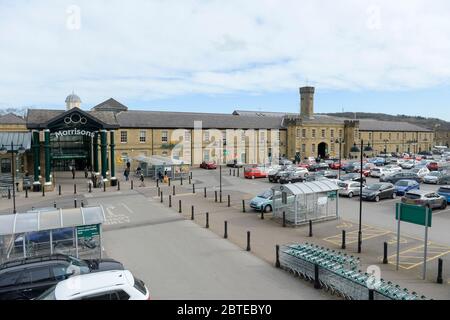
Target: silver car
[429,199]
[432,177]
[349,188]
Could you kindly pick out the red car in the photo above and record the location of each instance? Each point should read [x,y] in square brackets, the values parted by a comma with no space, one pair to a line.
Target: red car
[208,165]
[335,165]
[303,165]
[433,166]
[253,173]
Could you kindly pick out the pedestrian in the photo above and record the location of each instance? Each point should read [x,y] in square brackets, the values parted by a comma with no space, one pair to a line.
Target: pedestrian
[126,173]
[86,172]
[73,172]
[142,180]
[160,176]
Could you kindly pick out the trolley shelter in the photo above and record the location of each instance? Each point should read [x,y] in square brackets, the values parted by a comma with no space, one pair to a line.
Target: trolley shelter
[76,232]
[304,201]
[153,165]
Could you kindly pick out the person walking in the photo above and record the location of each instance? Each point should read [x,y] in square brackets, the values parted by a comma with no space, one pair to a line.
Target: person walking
[126,173]
[86,172]
[73,172]
[142,180]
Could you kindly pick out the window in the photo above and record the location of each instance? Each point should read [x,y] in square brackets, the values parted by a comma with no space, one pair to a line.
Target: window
[224,138]
[332,147]
[206,135]
[313,133]
[389,136]
[298,133]
[59,272]
[187,136]
[332,133]
[114,295]
[164,153]
[370,135]
[398,135]
[123,136]
[6,166]
[243,136]
[313,148]
[205,155]
[35,275]
[9,279]
[323,133]
[142,136]
[262,136]
[164,136]
[340,133]
[303,148]
[381,136]
[303,133]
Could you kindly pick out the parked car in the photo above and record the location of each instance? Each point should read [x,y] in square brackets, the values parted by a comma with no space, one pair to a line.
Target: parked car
[318,167]
[235,163]
[406,175]
[107,285]
[27,278]
[420,171]
[403,186]
[335,165]
[349,188]
[377,191]
[433,166]
[258,172]
[208,165]
[353,177]
[429,199]
[291,177]
[433,177]
[444,191]
[263,201]
[408,164]
[275,176]
[328,174]
[315,177]
[349,167]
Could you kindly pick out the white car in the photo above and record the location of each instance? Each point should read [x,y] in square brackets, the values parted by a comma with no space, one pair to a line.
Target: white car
[379,171]
[106,285]
[421,172]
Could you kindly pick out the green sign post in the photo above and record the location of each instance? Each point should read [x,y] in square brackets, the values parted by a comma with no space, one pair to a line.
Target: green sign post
[417,215]
[88,231]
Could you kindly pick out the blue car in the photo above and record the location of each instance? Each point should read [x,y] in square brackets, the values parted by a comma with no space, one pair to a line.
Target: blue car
[65,235]
[262,202]
[444,191]
[403,186]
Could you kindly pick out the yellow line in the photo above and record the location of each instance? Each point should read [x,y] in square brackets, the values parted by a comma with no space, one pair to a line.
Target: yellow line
[429,259]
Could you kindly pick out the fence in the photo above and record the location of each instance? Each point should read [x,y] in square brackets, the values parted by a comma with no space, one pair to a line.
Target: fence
[338,273]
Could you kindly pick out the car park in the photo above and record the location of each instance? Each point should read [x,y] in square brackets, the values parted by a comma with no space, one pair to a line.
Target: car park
[420,171]
[291,177]
[444,191]
[353,177]
[408,164]
[349,167]
[315,177]
[256,172]
[27,278]
[405,175]
[263,201]
[377,191]
[433,177]
[349,188]
[328,174]
[208,165]
[108,285]
[403,186]
[429,199]
[318,167]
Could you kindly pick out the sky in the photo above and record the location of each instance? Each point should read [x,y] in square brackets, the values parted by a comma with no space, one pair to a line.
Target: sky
[218,56]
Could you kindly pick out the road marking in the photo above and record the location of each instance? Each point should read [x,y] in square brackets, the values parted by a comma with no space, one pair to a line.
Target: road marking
[126,207]
[344,225]
[352,236]
[413,257]
[442,211]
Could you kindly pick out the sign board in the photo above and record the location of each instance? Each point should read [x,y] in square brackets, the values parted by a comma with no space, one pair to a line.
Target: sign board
[332,194]
[412,214]
[88,231]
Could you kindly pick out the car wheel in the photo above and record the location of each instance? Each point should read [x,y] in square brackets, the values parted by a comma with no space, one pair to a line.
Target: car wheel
[377,199]
[444,205]
[268,208]
[350,195]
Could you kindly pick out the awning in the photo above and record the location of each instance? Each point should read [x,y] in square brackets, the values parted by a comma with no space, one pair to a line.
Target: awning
[50,220]
[159,160]
[307,187]
[17,138]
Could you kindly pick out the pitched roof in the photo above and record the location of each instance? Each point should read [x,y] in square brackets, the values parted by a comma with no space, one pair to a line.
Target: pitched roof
[377,125]
[110,105]
[38,118]
[11,118]
[157,119]
[317,118]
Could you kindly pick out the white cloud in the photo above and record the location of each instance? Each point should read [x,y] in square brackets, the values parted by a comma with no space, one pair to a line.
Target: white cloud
[142,49]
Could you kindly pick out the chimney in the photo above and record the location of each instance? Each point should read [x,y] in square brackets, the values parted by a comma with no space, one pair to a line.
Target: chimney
[307,102]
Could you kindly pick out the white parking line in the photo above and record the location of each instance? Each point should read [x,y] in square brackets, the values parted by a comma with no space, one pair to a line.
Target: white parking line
[441,211]
[126,207]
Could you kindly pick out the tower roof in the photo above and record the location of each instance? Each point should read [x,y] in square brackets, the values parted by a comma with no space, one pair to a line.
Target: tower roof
[73,98]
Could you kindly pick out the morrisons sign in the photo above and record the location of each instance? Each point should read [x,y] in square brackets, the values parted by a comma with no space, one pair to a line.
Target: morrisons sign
[74,132]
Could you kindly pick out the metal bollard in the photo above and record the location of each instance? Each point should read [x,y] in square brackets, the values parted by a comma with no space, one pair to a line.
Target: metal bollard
[248,241]
[385,253]
[170,201]
[237,172]
[90,188]
[9,193]
[262,214]
[310,228]
[440,267]
[190,180]
[192,212]
[230,172]
[75,202]
[169,182]
[207,220]
[118,185]
[173,190]
[277,255]
[54,204]
[82,204]
[215,196]
[179,206]
[225,226]
[190,175]
[234,172]
[104,187]
[220,196]
[343,239]
[161,197]
[316,277]
[229,201]
[26,193]
[193,188]
[132,184]
[75,188]
[284,219]
[371,294]
[243,205]
[157,183]
[43,191]
[59,189]
[204,191]
[159,191]
[181,180]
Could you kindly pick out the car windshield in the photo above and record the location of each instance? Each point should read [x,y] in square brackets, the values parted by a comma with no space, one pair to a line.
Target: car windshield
[412,196]
[266,194]
[375,186]
[415,170]
[444,189]
[48,294]
[435,174]
[402,183]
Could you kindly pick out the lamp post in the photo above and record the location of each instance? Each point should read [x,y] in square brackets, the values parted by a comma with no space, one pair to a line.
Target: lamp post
[20,150]
[385,149]
[360,199]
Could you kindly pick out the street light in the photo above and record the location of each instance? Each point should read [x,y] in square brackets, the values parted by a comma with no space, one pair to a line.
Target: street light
[385,149]
[20,150]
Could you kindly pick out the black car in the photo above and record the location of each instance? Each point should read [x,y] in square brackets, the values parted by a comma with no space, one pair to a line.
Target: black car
[328,174]
[353,177]
[291,177]
[378,191]
[319,167]
[403,175]
[27,278]
[349,167]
